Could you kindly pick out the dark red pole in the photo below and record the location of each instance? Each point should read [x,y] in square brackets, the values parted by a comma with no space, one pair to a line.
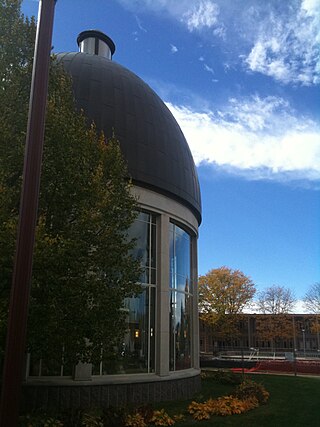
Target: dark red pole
[18,311]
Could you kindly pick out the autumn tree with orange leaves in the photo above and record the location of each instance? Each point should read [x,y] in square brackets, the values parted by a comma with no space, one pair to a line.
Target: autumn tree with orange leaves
[223,294]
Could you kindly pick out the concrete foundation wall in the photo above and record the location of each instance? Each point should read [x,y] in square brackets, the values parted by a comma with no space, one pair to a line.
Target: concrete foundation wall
[80,396]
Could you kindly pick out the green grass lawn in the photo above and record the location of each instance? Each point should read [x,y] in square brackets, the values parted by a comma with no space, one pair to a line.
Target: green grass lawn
[293,402]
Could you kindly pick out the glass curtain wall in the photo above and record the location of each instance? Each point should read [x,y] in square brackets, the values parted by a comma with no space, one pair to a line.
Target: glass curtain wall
[181,292]
[138,352]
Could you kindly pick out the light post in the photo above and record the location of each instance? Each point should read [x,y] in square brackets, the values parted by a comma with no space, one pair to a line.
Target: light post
[304,341]
[22,270]
[294,333]
[318,338]
[294,346]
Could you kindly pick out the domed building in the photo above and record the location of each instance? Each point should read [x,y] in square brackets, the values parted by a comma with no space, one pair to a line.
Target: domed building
[160,354]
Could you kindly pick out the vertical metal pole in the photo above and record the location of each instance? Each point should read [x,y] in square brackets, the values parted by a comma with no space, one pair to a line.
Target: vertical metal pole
[242,363]
[294,346]
[20,291]
[318,338]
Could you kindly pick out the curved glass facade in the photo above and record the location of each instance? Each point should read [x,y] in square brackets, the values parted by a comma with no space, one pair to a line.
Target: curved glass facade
[154,342]
[180,299]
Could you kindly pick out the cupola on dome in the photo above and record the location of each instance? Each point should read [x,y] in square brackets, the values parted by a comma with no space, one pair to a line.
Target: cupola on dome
[119,102]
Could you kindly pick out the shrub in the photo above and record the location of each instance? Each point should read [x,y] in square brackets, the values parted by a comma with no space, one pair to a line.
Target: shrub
[179,418]
[200,411]
[146,411]
[248,389]
[40,421]
[161,418]
[247,397]
[135,420]
[222,376]
[250,403]
[91,419]
[226,405]
[115,417]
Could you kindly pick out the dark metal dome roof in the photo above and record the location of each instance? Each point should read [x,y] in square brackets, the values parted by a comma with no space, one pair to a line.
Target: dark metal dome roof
[151,141]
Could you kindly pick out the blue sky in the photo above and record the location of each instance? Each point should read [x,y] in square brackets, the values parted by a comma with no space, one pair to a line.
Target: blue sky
[242,78]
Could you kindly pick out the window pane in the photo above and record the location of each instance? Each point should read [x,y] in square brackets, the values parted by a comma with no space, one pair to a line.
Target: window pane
[172,338]
[137,352]
[180,300]
[180,331]
[182,283]
[180,262]
[140,232]
[135,345]
[182,249]
[143,231]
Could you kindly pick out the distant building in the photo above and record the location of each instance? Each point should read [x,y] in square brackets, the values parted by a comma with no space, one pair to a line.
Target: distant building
[300,332]
[160,354]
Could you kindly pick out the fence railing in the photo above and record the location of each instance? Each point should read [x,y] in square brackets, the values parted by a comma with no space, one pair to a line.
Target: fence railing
[257,354]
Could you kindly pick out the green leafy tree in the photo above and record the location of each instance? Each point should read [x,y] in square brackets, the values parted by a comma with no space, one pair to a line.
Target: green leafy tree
[16,52]
[16,41]
[223,294]
[82,267]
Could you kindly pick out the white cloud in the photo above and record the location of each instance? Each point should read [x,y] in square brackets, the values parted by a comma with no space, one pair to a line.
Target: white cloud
[201,15]
[298,308]
[174,48]
[311,7]
[140,24]
[195,14]
[207,68]
[220,32]
[259,138]
[277,39]
[287,45]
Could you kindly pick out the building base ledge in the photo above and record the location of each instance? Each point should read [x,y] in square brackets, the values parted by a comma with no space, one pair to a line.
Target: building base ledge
[113,379]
